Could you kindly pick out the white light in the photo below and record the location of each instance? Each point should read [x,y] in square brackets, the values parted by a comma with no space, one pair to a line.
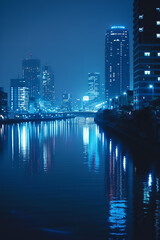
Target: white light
[158,78]
[124,163]
[158,35]
[124,93]
[158,54]
[147,54]
[116,97]
[110,146]
[117,27]
[150,180]
[141,29]
[86,98]
[140,16]
[86,135]
[110,99]
[158,23]
[150,86]
[147,72]
[116,152]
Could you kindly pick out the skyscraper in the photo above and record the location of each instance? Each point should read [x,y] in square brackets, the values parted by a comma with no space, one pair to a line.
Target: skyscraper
[31,75]
[19,95]
[146,67]
[117,63]
[48,92]
[93,86]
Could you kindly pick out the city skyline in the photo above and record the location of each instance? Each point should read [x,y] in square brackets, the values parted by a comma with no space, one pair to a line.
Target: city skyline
[75,53]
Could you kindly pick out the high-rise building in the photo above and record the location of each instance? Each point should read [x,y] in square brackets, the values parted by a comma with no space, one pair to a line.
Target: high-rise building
[48,92]
[19,95]
[66,102]
[117,61]
[31,75]
[77,104]
[146,67]
[3,103]
[94,86]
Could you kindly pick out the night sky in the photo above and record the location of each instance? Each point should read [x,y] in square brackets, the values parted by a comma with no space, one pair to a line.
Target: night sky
[68,35]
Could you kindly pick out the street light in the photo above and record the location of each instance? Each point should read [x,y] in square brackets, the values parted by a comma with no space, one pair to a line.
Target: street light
[152,88]
[110,103]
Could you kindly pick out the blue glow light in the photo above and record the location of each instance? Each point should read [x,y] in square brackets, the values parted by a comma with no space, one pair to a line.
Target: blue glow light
[151,86]
[117,27]
[54,231]
[150,180]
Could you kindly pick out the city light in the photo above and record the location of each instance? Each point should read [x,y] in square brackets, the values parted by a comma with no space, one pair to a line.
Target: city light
[150,180]
[117,27]
[85,98]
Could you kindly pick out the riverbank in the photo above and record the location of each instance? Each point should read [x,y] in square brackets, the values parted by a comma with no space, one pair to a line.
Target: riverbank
[129,130]
[12,121]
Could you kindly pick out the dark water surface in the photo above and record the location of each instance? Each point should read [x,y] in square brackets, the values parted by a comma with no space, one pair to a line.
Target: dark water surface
[70,180]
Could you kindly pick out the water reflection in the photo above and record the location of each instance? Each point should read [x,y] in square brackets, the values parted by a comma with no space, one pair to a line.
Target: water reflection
[119,192]
[91,140]
[85,180]
[33,144]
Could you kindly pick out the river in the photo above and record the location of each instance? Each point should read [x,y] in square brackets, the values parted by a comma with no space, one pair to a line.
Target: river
[70,180]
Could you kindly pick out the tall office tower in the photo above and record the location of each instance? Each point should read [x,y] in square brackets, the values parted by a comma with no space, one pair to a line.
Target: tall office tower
[146,66]
[19,95]
[3,103]
[117,62]
[48,92]
[93,86]
[31,74]
[66,102]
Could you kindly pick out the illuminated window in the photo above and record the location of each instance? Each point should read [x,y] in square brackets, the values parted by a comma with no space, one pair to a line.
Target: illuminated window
[141,29]
[147,72]
[158,22]
[141,16]
[158,78]
[158,35]
[158,54]
[147,54]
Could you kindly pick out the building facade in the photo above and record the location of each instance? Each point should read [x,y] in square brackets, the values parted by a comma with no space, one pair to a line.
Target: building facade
[19,95]
[48,90]
[3,103]
[31,75]
[146,66]
[94,86]
[66,102]
[117,62]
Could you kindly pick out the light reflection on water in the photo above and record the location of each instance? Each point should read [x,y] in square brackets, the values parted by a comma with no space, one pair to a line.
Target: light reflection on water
[84,178]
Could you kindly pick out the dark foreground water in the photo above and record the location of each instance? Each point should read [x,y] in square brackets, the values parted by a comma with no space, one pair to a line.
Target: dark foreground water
[70,180]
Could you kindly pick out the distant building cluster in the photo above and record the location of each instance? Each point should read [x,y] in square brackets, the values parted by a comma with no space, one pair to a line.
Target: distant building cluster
[34,91]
